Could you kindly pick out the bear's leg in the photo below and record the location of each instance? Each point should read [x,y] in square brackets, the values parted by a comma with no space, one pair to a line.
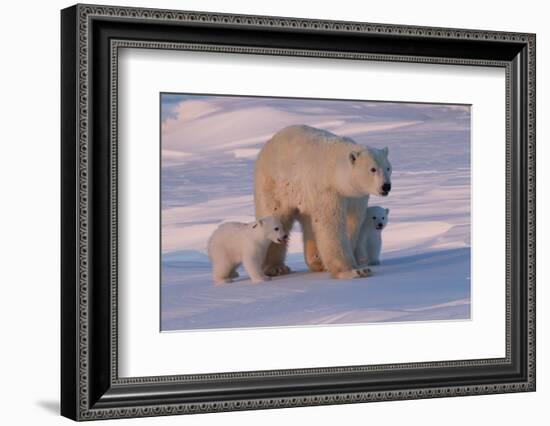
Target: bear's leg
[221,270]
[267,205]
[356,215]
[361,253]
[353,235]
[274,263]
[252,262]
[335,248]
[311,253]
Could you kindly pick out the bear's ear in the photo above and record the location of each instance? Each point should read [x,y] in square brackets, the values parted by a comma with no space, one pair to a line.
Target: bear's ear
[353,156]
[387,211]
[385,150]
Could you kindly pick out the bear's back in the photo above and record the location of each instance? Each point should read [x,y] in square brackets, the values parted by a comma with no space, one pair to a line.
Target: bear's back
[304,150]
[311,137]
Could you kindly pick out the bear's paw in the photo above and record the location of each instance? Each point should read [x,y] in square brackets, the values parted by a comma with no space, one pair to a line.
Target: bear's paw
[277,270]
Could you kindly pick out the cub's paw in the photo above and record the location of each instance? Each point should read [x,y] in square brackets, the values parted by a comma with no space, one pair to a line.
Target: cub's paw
[353,273]
[361,272]
[275,271]
[259,280]
[220,281]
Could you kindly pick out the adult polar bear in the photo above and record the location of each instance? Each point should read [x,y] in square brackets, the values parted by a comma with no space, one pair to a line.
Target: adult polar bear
[323,181]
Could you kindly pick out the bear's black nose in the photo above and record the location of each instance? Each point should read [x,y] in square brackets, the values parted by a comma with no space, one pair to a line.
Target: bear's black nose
[386,187]
[285,237]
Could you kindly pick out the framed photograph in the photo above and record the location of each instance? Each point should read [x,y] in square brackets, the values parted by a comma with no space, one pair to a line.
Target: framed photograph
[263,212]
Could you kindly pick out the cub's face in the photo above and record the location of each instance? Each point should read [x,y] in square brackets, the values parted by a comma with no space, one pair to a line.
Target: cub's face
[371,171]
[272,229]
[377,217]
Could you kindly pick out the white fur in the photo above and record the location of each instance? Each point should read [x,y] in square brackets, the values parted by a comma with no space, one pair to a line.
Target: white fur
[322,180]
[234,243]
[371,234]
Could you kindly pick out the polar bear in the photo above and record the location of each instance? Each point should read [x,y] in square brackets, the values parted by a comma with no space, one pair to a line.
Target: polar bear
[235,243]
[314,176]
[370,239]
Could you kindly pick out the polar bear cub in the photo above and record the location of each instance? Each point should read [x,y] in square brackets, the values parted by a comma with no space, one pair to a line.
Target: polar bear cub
[235,243]
[371,233]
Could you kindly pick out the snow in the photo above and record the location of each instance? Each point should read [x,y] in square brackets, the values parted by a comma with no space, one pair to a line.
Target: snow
[209,146]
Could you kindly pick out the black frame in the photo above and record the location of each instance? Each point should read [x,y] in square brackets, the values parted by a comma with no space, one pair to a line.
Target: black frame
[90,38]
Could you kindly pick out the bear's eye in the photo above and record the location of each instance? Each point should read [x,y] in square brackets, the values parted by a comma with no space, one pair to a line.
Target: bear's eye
[374,217]
[383,218]
[373,170]
[276,229]
[388,169]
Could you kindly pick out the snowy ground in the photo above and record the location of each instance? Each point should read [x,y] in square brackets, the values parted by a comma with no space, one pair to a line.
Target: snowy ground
[209,145]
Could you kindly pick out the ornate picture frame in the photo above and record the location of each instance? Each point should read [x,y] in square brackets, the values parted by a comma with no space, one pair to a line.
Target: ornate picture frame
[91,37]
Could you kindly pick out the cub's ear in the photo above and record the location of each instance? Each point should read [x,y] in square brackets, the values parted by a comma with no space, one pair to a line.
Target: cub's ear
[259,222]
[353,156]
[387,211]
[385,150]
